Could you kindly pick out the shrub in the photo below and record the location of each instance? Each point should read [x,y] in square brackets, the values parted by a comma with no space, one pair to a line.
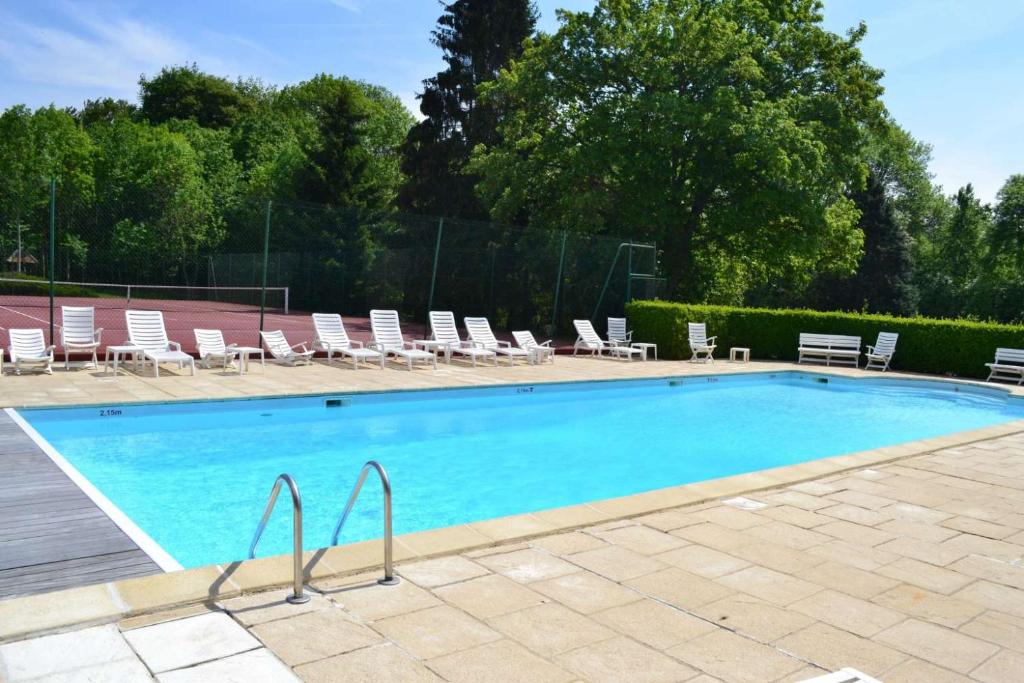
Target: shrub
[943,347]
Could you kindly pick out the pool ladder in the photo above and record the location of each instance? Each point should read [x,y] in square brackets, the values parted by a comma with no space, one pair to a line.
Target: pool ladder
[298,595]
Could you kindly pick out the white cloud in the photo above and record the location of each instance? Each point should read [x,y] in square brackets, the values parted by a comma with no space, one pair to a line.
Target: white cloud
[350,5]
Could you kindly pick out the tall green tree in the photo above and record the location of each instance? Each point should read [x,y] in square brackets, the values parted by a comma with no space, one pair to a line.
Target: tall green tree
[478,38]
[951,264]
[726,131]
[186,93]
[999,290]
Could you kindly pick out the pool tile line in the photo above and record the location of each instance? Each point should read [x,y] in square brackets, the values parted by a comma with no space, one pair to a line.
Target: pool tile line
[105,603]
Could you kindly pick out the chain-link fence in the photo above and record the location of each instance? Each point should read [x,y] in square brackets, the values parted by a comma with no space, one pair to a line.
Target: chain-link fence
[269,263]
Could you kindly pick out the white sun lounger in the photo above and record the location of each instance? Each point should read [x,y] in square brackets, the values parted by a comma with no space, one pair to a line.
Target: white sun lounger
[388,339]
[1009,365]
[617,332]
[283,352]
[29,346]
[538,352]
[589,340]
[443,330]
[78,333]
[479,331]
[210,346]
[332,337]
[880,355]
[700,343]
[146,331]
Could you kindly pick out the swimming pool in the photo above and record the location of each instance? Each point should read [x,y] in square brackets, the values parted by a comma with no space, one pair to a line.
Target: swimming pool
[195,475]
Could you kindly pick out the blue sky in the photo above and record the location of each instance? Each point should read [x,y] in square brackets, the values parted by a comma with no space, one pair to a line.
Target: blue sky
[954,69]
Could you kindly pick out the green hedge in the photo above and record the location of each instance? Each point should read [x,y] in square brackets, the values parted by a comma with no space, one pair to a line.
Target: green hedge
[942,347]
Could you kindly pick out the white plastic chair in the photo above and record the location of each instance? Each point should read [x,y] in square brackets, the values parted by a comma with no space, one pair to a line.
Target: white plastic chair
[146,330]
[210,345]
[388,339]
[479,331]
[78,333]
[29,346]
[283,352]
[880,355]
[617,332]
[700,343]
[589,340]
[442,329]
[332,337]
[538,352]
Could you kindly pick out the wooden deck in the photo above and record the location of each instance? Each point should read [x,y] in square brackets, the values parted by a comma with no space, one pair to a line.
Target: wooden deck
[51,534]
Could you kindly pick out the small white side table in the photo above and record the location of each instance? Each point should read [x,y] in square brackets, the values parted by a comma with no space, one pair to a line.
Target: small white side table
[741,351]
[435,347]
[118,352]
[243,357]
[644,348]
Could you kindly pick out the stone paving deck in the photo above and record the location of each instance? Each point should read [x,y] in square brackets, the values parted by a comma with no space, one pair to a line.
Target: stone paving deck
[911,571]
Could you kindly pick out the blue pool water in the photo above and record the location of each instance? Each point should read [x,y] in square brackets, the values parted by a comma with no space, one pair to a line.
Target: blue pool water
[195,476]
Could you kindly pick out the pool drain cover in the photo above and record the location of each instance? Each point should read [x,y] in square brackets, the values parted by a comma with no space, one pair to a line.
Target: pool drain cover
[745,503]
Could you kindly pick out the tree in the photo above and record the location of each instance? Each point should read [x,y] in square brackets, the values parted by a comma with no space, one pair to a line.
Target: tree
[185,92]
[104,110]
[478,39]
[726,131]
[999,289]
[951,265]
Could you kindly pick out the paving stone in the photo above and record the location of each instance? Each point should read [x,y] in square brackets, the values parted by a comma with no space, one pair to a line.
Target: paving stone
[795,516]
[441,571]
[368,665]
[90,647]
[680,588]
[924,551]
[916,671]
[489,596]
[937,645]
[868,559]
[248,667]
[970,544]
[832,649]
[642,539]
[528,565]
[777,557]
[847,612]
[498,662]
[789,535]
[906,528]
[857,534]
[669,520]
[702,561]
[654,623]
[550,629]
[181,643]
[754,617]
[615,563]
[850,580]
[714,536]
[435,631]
[314,635]
[992,569]
[864,500]
[1005,666]
[768,584]
[928,606]
[567,544]
[916,513]
[798,499]
[734,658]
[620,659]
[925,575]
[586,592]
[994,597]
[1002,629]
[371,601]
[731,517]
[979,527]
[257,608]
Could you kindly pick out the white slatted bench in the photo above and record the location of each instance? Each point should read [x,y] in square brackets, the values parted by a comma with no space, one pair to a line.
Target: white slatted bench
[829,348]
[1009,365]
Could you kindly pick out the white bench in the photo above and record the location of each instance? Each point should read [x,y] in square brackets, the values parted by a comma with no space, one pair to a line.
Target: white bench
[1009,364]
[839,348]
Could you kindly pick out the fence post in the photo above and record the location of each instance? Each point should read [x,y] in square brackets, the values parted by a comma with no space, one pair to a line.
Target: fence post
[629,274]
[558,286]
[266,261]
[433,275]
[53,247]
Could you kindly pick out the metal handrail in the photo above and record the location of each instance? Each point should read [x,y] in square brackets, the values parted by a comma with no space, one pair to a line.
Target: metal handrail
[389,575]
[297,597]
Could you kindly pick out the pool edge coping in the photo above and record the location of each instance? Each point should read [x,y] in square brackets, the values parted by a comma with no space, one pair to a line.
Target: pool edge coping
[95,604]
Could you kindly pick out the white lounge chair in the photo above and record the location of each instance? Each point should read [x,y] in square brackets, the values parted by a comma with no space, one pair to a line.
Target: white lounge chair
[332,337]
[1009,365]
[589,340]
[443,330]
[210,345]
[146,331]
[283,352]
[617,332]
[538,352]
[78,333]
[388,339]
[29,346]
[700,343]
[880,355]
[479,331]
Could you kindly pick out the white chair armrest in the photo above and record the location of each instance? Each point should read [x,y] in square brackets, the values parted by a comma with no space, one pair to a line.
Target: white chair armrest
[174,345]
[546,343]
[871,349]
[356,344]
[300,345]
[711,340]
[98,334]
[507,345]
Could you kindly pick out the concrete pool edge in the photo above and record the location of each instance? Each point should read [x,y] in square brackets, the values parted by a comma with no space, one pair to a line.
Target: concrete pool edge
[110,602]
